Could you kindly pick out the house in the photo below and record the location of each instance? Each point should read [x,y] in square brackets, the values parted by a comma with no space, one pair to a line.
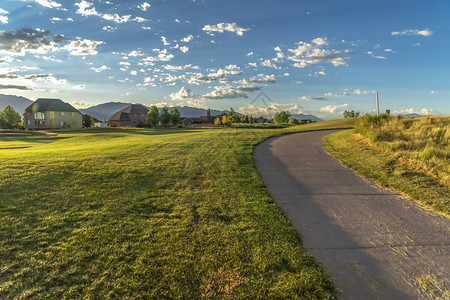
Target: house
[261,120]
[186,121]
[101,124]
[51,114]
[134,115]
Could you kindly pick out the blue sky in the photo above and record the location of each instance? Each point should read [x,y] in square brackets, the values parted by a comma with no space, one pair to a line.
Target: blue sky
[319,57]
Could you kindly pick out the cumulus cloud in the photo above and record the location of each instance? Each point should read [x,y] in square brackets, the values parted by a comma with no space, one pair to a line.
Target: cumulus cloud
[187,39]
[334,109]
[423,111]
[184,49]
[424,32]
[260,79]
[360,92]
[220,75]
[80,105]
[86,8]
[3,19]
[180,68]
[135,53]
[183,93]
[25,40]
[100,69]
[47,3]
[79,87]
[343,94]
[82,47]
[222,27]
[307,54]
[268,63]
[229,92]
[144,6]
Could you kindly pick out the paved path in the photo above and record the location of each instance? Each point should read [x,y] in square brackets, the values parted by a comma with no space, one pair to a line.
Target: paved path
[374,243]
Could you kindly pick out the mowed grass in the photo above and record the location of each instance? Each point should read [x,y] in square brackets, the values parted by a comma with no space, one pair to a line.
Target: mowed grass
[408,155]
[141,213]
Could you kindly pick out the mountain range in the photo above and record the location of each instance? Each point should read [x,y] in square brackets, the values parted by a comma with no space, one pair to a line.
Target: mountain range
[104,111]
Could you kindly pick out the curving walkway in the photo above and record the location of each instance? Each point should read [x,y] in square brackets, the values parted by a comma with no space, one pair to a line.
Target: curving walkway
[374,244]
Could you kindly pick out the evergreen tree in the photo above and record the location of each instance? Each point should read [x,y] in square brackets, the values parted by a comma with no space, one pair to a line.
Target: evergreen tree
[88,121]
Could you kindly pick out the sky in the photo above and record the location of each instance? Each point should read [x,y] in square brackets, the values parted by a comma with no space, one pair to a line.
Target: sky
[318,57]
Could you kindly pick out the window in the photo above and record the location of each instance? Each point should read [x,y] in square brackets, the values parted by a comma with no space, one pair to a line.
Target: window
[62,114]
[52,115]
[39,116]
[73,114]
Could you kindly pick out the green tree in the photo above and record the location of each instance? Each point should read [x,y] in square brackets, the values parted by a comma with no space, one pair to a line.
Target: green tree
[88,121]
[292,121]
[153,116]
[10,119]
[165,116]
[232,117]
[175,116]
[282,117]
[208,112]
[250,120]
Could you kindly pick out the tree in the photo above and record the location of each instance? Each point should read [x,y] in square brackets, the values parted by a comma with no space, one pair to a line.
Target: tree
[208,112]
[232,117]
[175,116]
[225,120]
[10,119]
[153,116]
[292,121]
[217,121]
[88,121]
[282,117]
[165,117]
[351,114]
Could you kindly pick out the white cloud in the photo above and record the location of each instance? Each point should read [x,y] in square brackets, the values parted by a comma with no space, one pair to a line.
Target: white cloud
[232,67]
[196,103]
[337,94]
[260,79]
[85,10]
[184,93]
[219,75]
[423,111]
[116,18]
[229,92]
[135,53]
[80,105]
[375,56]
[388,50]
[109,28]
[222,27]
[47,3]
[334,109]
[3,12]
[187,39]
[144,6]
[250,54]
[164,40]
[146,28]
[79,87]
[184,49]
[82,47]
[100,69]
[139,19]
[322,73]
[433,92]
[307,54]
[360,92]
[424,32]
[268,63]
[133,73]
[4,19]
[286,74]
[180,68]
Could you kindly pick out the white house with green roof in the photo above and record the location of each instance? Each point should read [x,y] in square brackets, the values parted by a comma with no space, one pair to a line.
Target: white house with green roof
[51,114]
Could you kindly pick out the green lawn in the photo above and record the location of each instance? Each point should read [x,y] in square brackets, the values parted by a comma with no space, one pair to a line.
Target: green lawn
[141,213]
[399,158]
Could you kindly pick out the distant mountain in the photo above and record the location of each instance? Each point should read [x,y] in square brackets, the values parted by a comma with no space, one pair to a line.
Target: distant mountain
[306,117]
[104,111]
[413,115]
[18,103]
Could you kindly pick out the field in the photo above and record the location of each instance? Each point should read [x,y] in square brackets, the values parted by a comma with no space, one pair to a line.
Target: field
[408,155]
[141,213]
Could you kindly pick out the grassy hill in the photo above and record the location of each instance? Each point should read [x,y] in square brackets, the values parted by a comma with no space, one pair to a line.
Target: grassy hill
[129,213]
[408,155]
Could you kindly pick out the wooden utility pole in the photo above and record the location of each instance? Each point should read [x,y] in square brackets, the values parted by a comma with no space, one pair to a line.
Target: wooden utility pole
[378,106]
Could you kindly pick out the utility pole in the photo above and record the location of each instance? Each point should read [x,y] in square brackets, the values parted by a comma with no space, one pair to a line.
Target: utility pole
[378,105]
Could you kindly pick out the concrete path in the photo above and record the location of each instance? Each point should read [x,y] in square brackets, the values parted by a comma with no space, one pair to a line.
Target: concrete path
[374,244]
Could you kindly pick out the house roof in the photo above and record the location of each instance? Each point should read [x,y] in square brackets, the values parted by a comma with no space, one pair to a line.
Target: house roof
[120,116]
[135,109]
[46,104]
